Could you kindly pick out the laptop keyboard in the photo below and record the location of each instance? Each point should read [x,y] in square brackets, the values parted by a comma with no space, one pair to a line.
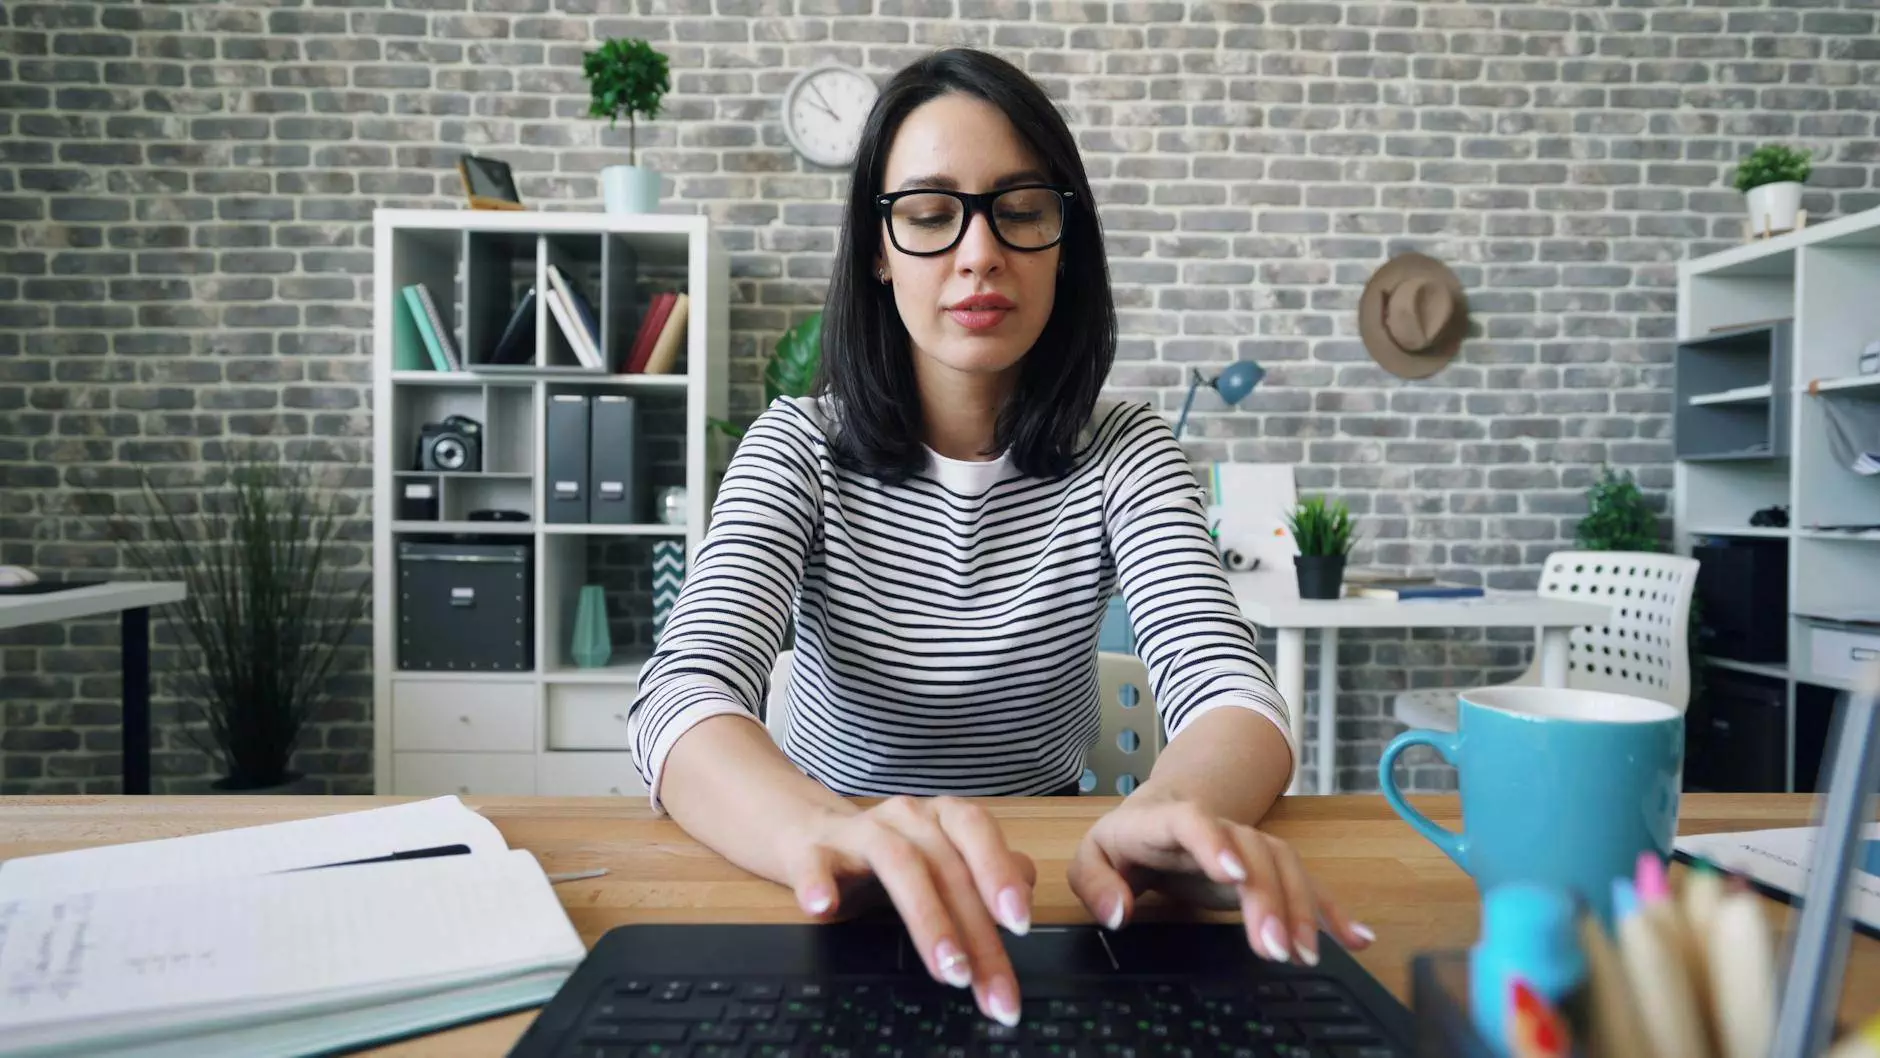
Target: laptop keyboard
[1298,1016]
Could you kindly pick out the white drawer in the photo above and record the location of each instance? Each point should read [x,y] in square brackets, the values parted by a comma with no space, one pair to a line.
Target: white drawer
[588,716]
[587,775]
[464,715]
[435,774]
[1841,654]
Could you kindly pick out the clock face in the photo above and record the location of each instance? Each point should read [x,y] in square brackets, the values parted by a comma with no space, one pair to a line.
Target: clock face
[823,113]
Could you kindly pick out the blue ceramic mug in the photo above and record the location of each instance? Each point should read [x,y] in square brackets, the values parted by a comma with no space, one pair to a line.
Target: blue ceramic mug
[1559,787]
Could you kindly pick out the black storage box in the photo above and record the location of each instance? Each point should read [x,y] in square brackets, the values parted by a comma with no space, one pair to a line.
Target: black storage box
[465,607]
[1743,594]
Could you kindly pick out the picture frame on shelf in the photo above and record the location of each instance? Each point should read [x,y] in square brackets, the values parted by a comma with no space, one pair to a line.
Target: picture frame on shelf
[488,183]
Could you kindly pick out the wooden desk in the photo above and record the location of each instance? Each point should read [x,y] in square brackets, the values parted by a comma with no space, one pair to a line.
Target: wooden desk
[1383,872]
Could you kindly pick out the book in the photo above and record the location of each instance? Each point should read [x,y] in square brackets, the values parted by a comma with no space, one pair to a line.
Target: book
[517,345]
[1779,862]
[657,310]
[409,352]
[225,943]
[414,306]
[1377,578]
[666,347]
[1409,592]
[590,328]
[570,330]
[436,333]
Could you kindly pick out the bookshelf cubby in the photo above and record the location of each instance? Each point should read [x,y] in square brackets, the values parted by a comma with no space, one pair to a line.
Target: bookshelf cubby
[477,266]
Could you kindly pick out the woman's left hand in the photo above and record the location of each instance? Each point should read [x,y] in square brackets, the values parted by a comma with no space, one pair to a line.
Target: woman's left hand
[1192,853]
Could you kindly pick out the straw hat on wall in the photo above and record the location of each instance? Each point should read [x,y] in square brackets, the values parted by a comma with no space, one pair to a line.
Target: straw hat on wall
[1413,315]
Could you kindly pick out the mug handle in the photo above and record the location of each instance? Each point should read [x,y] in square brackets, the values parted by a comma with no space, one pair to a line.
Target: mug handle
[1449,745]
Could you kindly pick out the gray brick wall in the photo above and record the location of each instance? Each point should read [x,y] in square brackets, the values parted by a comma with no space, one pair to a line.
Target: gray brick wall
[185,194]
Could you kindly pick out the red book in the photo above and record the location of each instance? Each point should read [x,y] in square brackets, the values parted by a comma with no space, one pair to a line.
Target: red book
[656,312]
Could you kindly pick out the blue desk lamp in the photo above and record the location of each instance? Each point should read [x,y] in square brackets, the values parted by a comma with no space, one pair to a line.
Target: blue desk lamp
[1232,384]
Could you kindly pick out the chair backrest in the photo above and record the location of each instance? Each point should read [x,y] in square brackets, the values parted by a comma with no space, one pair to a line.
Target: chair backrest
[777,705]
[1645,650]
[1130,732]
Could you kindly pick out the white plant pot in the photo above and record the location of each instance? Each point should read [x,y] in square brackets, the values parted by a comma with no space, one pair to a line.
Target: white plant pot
[630,189]
[1773,207]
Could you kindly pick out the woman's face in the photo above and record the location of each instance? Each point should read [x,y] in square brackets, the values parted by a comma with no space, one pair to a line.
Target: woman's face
[962,143]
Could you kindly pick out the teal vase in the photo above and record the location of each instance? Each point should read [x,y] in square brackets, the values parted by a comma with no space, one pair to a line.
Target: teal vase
[593,645]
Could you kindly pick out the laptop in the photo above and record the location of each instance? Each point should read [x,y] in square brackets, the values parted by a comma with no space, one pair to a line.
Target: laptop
[859,990]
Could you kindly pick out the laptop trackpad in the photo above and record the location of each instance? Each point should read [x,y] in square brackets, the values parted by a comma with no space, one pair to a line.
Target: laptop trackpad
[1060,950]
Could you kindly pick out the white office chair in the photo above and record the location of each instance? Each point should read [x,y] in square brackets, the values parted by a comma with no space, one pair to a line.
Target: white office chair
[1644,651]
[1130,733]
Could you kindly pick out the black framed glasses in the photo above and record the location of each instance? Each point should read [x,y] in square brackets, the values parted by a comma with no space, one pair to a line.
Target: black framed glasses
[928,221]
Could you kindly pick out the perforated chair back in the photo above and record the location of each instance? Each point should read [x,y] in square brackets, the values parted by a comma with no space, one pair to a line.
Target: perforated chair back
[1130,733]
[1644,649]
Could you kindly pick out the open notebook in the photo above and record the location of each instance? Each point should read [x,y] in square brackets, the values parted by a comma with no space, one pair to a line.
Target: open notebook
[215,945]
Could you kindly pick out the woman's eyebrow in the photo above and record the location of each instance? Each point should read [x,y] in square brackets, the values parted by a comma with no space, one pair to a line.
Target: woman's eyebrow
[1023,176]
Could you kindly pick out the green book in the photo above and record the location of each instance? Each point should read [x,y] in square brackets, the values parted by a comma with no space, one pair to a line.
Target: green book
[408,350]
[422,320]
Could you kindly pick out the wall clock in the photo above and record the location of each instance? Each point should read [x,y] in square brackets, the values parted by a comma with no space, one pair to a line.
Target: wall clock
[824,110]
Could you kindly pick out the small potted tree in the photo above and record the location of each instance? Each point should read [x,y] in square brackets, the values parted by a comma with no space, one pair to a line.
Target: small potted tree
[1617,516]
[1771,181]
[1322,530]
[627,78]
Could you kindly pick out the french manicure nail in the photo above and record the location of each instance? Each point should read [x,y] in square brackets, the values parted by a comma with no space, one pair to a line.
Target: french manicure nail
[1364,932]
[1273,935]
[1230,864]
[1012,910]
[1004,1003]
[954,968]
[1114,920]
[1308,954]
[818,902]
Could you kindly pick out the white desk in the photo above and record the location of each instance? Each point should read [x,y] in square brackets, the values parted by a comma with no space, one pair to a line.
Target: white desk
[1271,599]
[132,601]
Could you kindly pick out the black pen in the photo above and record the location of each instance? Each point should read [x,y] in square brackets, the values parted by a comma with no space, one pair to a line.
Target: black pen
[410,854]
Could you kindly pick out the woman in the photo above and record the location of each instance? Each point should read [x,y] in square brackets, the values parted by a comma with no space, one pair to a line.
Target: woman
[944,525]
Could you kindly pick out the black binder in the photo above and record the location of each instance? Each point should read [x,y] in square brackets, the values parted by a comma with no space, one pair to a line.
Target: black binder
[614,497]
[567,435]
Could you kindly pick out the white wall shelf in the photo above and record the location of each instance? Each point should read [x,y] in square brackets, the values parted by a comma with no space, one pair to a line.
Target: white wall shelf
[1811,293]
[555,728]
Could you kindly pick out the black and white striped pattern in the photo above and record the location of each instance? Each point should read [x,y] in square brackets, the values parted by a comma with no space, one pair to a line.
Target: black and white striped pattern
[946,628]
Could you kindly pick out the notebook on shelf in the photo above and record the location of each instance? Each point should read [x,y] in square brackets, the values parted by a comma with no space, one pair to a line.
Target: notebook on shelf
[228,944]
[1411,592]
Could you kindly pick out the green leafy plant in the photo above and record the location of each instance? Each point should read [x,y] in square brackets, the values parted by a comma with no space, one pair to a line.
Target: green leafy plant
[1617,516]
[626,78]
[1321,527]
[267,613]
[1772,164]
[791,370]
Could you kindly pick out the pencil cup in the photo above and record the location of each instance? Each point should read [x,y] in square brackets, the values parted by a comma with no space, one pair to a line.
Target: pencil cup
[1559,787]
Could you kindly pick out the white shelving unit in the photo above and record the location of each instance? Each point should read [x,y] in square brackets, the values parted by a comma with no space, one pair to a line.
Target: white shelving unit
[555,729]
[1768,332]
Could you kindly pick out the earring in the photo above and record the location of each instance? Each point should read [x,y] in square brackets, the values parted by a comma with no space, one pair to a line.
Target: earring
[883,276]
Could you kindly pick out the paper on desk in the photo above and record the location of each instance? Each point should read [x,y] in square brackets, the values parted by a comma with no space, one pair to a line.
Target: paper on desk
[209,956]
[1783,859]
[253,850]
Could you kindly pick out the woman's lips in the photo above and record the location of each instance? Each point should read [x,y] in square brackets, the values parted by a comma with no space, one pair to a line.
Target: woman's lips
[977,319]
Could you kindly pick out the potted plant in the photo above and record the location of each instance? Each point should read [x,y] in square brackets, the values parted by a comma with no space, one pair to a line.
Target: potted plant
[1617,517]
[1322,530]
[791,370]
[626,78]
[1771,180]
[267,614]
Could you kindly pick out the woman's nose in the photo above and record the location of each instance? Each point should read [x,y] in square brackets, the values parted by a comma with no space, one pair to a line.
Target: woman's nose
[979,249]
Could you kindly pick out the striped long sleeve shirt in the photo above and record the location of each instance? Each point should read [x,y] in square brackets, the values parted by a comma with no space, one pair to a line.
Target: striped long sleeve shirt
[946,627]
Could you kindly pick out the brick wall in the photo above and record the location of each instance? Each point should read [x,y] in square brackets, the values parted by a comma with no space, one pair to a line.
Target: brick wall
[185,194]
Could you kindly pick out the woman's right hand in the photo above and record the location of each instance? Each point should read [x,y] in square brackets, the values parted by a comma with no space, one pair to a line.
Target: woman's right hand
[945,866]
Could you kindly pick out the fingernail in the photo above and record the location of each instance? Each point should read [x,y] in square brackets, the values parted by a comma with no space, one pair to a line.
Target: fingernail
[1273,935]
[1113,921]
[1230,863]
[1012,910]
[1308,952]
[1364,932]
[818,901]
[1002,997]
[954,968]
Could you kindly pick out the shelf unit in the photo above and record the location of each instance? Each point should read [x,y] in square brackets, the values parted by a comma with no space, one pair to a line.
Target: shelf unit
[1767,332]
[555,728]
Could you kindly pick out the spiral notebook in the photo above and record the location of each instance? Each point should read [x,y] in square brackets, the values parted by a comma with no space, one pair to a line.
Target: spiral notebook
[222,944]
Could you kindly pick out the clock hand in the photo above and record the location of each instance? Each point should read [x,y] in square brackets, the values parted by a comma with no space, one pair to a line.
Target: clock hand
[824,109]
[830,107]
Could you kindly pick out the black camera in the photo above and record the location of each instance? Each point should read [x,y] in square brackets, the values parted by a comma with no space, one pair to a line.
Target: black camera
[452,446]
